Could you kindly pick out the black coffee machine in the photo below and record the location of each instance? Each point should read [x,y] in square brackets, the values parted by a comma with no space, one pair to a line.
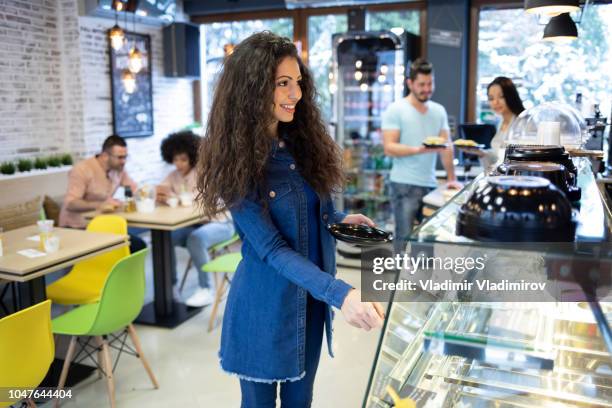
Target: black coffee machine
[596,128]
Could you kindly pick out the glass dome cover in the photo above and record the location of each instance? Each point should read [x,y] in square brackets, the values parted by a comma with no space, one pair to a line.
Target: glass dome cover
[551,123]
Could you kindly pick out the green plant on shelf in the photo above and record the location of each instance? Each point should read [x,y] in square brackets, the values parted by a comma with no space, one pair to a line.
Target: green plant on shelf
[54,161]
[40,163]
[24,165]
[7,168]
[66,159]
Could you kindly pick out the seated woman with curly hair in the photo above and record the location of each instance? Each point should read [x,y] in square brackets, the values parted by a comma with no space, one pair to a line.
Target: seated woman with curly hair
[181,149]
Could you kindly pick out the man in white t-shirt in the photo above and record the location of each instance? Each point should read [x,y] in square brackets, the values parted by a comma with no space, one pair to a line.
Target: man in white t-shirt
[406,124]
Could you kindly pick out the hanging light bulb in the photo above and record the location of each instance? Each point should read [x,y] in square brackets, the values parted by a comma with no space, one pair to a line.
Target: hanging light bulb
[129,81]
[118,5]
[135,60]
[117,37]
[116,34]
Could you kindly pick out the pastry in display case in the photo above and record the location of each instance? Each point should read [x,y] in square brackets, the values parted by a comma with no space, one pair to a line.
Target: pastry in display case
[460,353]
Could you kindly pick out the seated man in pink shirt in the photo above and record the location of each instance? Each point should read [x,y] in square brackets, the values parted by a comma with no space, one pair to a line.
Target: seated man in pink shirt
[92,184]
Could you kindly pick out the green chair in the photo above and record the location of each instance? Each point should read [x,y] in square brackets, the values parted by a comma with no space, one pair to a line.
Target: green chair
[120,302]
[225,264]
[215,250]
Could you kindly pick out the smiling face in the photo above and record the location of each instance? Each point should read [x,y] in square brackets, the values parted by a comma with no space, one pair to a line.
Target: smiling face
[287,91]
[422,87]
[497,100]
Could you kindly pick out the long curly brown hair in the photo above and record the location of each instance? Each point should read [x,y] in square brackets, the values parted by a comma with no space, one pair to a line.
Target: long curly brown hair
[234,153]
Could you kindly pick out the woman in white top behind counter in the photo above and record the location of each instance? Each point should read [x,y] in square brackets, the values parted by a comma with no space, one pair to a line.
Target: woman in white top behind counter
[505,102]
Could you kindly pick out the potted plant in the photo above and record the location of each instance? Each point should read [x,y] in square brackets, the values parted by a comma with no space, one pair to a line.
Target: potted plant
[7,168]
[24,165]
[54,161]
[40,163]
[67,159]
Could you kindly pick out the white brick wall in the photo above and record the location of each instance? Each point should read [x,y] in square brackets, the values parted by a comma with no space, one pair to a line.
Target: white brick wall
[31,99]
[55,86]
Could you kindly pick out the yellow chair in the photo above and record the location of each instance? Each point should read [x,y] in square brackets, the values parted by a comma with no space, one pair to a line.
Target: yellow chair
[26,348]
[85,281]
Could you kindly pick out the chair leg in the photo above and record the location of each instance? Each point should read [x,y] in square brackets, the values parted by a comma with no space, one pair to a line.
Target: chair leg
[218,296]
[66,366]
[145,363]
[100,359]
[187,269]
[108,370]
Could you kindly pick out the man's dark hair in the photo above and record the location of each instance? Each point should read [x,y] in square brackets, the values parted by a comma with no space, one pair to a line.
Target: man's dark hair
[113,140]
[185,142]
[420,66]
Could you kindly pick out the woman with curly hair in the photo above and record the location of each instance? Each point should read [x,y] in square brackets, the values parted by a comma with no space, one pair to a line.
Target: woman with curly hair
[267,157]
[181,149]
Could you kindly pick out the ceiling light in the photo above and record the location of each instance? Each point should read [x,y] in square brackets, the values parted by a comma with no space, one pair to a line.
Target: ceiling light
[560,28]
[129,81]
[551,7]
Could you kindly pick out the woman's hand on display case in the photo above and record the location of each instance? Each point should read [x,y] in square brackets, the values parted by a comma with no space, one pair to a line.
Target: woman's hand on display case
[365,315]
[358,219]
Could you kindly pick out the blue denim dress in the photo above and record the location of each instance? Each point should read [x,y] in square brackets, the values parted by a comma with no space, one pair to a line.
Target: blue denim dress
[264,325]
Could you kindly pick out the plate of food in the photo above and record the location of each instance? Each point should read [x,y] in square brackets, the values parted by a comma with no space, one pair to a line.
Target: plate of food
[468,144]
[435,142]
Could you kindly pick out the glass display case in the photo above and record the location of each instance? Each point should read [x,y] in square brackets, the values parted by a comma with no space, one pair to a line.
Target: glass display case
[497,354]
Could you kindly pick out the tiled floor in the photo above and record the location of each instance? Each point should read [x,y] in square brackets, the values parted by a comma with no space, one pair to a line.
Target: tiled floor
[185,363]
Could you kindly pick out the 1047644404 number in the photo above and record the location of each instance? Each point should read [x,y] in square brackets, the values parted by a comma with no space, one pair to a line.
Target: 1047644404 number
[16,394]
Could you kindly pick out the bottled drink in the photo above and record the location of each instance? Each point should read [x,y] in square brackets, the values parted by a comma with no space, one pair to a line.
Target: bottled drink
[130,202]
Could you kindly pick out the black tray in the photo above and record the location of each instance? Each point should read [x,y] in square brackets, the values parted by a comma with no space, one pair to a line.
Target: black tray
[436,146]
[360,235]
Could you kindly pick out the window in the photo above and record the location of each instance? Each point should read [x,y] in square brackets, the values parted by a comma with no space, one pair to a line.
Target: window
[216,35]
[385,20]
[545,71]
[320,31]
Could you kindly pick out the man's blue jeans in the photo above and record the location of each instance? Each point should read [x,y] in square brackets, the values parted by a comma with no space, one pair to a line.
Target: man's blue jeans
[407,203]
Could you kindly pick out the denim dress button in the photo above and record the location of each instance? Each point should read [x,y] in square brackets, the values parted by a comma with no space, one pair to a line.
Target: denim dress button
[272,194]
[325,217]
[281,144]
[292,166]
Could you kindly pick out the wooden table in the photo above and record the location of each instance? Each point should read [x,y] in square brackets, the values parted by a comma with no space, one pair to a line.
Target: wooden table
[75,245]
[164,311]
[29,273]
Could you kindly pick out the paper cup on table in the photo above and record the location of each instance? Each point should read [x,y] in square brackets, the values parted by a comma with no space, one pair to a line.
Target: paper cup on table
[186,199]
[549,133]
[52,243]
[172,202]
[45,226]
[145,206]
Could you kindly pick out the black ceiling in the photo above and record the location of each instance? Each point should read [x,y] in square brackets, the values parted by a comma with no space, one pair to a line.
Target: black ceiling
[208,7]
